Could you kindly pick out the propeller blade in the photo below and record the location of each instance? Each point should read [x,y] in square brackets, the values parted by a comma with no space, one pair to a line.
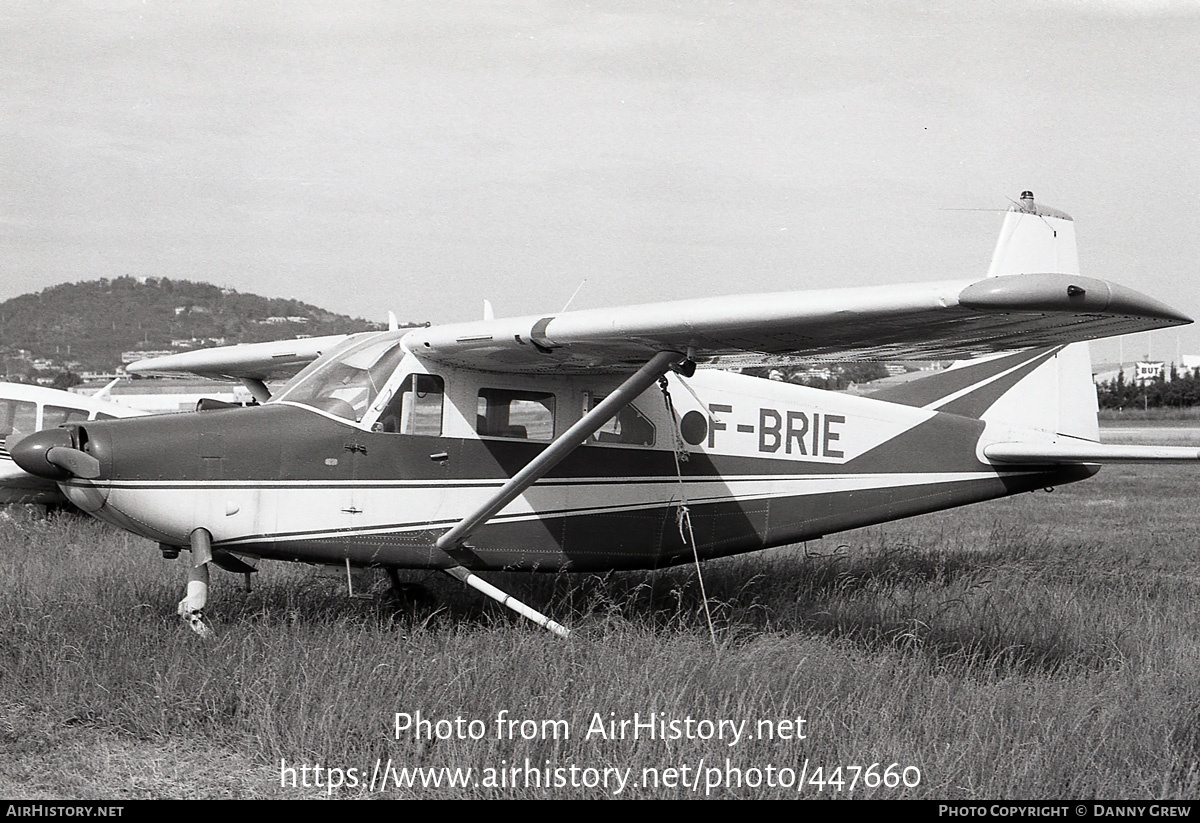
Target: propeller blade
[80,464]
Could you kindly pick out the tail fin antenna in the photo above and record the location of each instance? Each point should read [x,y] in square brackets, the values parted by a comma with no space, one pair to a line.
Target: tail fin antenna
[1035,239]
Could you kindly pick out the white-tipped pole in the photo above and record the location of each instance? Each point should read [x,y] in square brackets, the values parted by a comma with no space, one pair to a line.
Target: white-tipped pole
[507,600]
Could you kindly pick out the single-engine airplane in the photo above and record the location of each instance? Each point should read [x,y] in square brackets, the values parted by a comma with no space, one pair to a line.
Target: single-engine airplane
[587,440]
[25,409]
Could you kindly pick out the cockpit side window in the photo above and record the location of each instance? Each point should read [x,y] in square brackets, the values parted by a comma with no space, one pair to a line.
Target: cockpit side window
[57,415]
[416,408]
[347,383]
[525,415]
[17,416]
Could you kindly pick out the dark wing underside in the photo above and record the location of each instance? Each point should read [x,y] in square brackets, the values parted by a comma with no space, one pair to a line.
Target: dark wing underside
[924,321]
[955,319]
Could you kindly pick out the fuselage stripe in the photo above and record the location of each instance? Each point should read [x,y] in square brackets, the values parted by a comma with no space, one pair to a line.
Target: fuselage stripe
[196,485]
[693,497]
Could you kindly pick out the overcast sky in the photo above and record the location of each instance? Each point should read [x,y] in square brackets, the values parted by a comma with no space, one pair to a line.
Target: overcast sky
[419,157]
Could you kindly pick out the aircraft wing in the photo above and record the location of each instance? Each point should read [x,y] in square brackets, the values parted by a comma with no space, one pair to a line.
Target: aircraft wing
[927,321]
[248,361]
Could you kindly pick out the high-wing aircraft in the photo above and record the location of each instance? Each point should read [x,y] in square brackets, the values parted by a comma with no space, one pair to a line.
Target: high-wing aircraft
[25,409]
[588,440]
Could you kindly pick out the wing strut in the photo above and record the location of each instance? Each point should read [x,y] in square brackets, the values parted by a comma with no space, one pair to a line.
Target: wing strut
[538,468]
[257,388]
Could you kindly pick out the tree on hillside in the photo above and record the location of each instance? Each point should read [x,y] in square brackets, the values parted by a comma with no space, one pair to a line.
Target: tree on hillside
[96,321]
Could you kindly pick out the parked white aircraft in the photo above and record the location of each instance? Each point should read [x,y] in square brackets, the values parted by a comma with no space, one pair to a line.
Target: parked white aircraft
[587,440]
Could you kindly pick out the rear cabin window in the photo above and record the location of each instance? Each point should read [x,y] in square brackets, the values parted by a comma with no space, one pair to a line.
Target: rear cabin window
[630,427]
[525,415]
[19,416]
[57,415]
[416,408]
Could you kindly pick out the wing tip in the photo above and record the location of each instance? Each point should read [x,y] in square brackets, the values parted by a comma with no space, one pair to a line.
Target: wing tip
[1067,293]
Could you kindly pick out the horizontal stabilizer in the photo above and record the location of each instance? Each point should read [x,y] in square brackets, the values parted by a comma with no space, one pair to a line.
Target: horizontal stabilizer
[1084,452]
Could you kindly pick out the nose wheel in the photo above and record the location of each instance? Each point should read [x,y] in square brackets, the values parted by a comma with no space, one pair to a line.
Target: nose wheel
[191,607]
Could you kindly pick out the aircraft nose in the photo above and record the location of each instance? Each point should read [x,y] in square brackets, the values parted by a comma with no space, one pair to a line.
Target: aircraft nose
[51,454]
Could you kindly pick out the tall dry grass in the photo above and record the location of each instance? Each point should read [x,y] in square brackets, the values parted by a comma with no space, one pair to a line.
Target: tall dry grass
[1042,646]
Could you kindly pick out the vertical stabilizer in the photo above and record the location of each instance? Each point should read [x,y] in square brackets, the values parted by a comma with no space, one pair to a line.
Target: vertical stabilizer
[1057,398]
[1047,390]
[1035,239]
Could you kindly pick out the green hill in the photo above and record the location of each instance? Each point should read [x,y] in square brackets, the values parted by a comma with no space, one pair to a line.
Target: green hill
[86,326]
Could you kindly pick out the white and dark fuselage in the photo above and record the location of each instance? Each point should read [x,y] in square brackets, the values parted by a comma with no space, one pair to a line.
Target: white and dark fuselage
[543,443]
[377,479]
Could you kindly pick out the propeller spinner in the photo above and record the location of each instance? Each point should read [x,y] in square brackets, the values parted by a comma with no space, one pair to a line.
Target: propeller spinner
[52,454]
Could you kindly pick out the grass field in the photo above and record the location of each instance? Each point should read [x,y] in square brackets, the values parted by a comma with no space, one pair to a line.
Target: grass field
[1039,647]
[1163,414]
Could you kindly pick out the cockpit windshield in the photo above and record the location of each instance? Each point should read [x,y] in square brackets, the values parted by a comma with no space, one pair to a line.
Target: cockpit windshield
[346,381]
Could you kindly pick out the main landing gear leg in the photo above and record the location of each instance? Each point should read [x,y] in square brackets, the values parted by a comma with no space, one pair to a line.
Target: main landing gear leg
[191,607]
